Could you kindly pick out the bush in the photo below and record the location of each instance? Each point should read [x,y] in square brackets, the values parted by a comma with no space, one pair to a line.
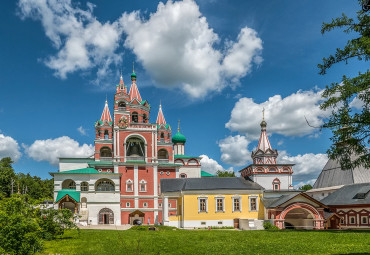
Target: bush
[269,226]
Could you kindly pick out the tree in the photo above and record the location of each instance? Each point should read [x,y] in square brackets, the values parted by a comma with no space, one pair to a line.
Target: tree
[305,187]
[350,126]
[7,177]
[225,173]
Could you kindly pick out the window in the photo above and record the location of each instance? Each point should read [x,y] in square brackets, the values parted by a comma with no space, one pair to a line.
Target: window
[276,184]
[105,152]
[162,135]
[162,154]
[352,220]
[169,205]
[84,202]
[121,105]
[129,186]
[128,204]
[145,204]
[69,184]
[342,220]
[106,135]
[72,185]
[144,118]
[168,173]
[160,205]
[104,185]
[84,186]
[219,204]
[161,173]
[252,203]
[202,205]
[135,147]
[236,204]
[364,219]
[135,117]
[182,175]
[142,186]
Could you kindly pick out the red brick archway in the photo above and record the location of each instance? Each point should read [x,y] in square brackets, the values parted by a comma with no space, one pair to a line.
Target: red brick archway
[318,221]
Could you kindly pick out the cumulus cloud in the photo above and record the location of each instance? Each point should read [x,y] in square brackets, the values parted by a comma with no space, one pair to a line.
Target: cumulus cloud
[285,116]
[177,47]
[357,103]
[234,150]
[211,166]
[300,184]
[82,131]
[9,148]
[81,40]
[51,149]
[307,166]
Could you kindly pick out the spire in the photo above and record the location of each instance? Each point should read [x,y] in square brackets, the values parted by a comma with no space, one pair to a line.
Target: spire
[160,116]
[134,91]
[178,126]
[263,143]
[106,114]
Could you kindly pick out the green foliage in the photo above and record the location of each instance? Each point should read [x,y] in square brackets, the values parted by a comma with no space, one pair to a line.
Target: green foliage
[350,127]
[225,173]
[23,227]
[33,186]
[269,226]
[305,187]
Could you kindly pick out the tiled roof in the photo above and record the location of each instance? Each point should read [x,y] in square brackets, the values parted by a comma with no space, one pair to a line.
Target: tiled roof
[215,183]
[205,174]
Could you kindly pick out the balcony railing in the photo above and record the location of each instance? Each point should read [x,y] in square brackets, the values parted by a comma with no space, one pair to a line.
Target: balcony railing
[135,158]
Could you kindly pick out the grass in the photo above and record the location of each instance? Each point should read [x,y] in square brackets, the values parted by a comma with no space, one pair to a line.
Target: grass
[209,242]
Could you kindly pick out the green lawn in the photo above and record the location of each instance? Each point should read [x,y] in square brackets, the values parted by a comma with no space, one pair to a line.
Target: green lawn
[210,242]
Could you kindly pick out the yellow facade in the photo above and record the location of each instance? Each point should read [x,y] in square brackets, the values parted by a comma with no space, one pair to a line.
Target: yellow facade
[188,207]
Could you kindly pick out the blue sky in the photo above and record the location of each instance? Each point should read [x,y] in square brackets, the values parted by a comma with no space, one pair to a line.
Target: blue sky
[213,64]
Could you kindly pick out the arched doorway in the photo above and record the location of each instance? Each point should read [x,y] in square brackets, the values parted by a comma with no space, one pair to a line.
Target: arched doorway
[301,216]
[106,216]
[135,216]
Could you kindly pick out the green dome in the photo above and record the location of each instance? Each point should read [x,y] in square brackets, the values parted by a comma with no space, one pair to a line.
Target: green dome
[178,138]
[133,75]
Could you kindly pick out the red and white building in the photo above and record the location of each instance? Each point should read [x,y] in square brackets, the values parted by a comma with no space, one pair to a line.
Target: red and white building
[131,156]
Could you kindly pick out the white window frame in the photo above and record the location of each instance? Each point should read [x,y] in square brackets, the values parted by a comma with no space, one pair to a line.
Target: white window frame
[128,204]
[160,205]
[350,219]
[143,182]
[223,204]
[129,181]
[145,204]
[206,201]
[364,217]
[240,203]
[250,207]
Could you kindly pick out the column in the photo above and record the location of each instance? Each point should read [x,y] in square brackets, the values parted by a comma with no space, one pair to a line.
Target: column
[165,211]
[155,193]
[136,185]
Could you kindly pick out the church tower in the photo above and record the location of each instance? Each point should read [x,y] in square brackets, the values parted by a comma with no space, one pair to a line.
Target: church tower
[265,170]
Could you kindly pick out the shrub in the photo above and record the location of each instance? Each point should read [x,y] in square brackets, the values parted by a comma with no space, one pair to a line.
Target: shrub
[269,226]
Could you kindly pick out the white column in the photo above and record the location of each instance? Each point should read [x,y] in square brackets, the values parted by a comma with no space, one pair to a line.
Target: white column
[177,172]
[116,169]
[165,211]
[136,185]
[155,184]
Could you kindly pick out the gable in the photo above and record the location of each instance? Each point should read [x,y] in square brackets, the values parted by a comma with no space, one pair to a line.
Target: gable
[302,199]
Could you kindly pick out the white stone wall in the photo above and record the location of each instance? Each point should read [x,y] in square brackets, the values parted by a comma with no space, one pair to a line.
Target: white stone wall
[191,172]
[266,180]
[71,166]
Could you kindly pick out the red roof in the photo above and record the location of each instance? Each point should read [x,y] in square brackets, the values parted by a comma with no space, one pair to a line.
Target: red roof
[160,117]
[106,114]
[134,92]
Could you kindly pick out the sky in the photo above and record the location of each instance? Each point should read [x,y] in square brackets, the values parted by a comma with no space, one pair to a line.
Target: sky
[213,64]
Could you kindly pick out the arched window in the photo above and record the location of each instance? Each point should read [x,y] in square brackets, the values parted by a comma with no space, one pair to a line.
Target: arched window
[135,117]
[162,154]
[104,185]
[69,184]
[144,118]
[272,169]
[84,186]
[276,184]
[162,135]
[183,176]
[106,134]
[84,202]
[121,105]
[129,186]
[105,152]
[135,147]
[142,186]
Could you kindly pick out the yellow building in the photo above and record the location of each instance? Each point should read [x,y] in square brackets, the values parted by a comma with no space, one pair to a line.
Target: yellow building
[209,202]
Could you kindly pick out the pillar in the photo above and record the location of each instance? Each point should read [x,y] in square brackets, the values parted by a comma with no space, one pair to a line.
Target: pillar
[165,211]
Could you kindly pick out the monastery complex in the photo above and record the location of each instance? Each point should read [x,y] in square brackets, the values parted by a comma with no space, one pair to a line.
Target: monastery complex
[142,172]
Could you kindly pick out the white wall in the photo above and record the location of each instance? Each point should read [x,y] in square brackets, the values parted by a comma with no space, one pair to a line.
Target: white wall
[265,180]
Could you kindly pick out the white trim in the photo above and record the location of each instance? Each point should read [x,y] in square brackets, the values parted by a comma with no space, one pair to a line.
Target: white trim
[206,200]
[250,198]
[240,203]
[223,204]
[136,184]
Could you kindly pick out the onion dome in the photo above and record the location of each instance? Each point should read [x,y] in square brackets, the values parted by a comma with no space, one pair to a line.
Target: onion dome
[133,76]
[178,138]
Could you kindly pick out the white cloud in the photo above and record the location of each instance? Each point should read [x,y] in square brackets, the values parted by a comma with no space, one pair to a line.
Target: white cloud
[9,148]
[234,150]
[82,131]
[176,46]
[51,149]
[285,116]
[357,103]
[81,40]
[300,184]
[307,166]
[210,165]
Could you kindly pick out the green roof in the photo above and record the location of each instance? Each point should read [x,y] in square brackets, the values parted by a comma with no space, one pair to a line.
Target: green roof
[110,163]
[185,156]
[166,126]
[134,161]
[205,174]
[169,164]
[88,170]
[178,138]
[75,195]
